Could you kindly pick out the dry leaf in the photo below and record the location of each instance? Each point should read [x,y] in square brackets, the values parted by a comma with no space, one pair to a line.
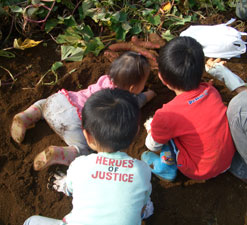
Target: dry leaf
[167,7]
[27,43]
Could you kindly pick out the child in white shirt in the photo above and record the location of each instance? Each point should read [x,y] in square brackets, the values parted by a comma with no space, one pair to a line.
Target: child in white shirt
[110,187]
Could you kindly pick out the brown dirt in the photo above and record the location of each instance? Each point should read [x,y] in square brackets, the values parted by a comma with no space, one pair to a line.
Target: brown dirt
[23,192]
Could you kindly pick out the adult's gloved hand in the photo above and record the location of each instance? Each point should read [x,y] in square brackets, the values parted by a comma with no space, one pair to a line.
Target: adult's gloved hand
[217,69]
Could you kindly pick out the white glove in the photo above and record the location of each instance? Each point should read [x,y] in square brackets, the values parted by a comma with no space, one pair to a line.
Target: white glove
[147,124]
[222,73]
[59,183]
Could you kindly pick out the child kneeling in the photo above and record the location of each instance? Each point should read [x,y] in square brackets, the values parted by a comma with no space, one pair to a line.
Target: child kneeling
[194,123]
[109,187]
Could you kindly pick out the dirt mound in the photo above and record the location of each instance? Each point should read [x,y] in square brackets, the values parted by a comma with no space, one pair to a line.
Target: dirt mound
[23,192]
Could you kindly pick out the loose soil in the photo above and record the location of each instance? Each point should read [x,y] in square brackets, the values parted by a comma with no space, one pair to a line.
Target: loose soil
[23,191]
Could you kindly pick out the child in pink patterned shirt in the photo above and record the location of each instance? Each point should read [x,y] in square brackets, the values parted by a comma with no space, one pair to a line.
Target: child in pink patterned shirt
[62,110]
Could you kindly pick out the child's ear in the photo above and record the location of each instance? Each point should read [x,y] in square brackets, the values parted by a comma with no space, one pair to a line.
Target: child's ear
[90,140]
[162,80]
[131,88]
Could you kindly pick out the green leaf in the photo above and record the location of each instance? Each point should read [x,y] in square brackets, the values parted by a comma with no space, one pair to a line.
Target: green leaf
[2,11]
[50,24]
[7,54]
[32,11]
[192,3]
[231,4]
[70,53]
[56,65]
[136,29]
[167,35]
[219,5]
[126,26]
[95,46]
[148,3]
[101,16]
[74,36]
[69,21]
[123,17]
[69,39]
[34,2]
[76,31]
[121,34]
[184,20]
[173,22]
[16,9]
[68,4]
[147,12]
[87,33]
[115,17]
[86,5]
[155,20]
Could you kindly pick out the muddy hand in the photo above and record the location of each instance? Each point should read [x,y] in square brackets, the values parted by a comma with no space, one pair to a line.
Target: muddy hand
[147,124]
[59,182]
[211,63]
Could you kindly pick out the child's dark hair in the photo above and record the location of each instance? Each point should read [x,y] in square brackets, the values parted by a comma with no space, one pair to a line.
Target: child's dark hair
[129,69]
[111,116]
[181,63]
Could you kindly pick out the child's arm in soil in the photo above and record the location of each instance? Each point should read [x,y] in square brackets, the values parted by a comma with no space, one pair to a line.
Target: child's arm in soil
[144,97]
[151,144]
[150,94]
[59,184]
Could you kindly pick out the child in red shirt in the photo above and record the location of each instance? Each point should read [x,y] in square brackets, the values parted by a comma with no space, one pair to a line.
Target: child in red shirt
[193,127]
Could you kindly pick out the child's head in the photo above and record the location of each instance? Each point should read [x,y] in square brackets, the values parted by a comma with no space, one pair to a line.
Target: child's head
[111,118]
[181,63]
[130,72]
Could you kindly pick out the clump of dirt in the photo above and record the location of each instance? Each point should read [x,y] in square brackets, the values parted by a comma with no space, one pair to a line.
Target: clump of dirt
[23,191]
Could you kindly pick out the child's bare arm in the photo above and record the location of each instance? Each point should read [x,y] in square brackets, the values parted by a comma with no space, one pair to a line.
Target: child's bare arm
[145,97]
[150,94]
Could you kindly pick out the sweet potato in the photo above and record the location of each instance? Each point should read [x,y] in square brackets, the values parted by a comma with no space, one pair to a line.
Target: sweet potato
[147,44]
[144,52]
[121,46]
[134,38]
[155,38]
[111,55]
[155,53]
[128,46]
[153,64]
[144,44]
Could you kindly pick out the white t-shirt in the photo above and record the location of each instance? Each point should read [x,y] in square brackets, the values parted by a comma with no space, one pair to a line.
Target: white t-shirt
[108,189]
